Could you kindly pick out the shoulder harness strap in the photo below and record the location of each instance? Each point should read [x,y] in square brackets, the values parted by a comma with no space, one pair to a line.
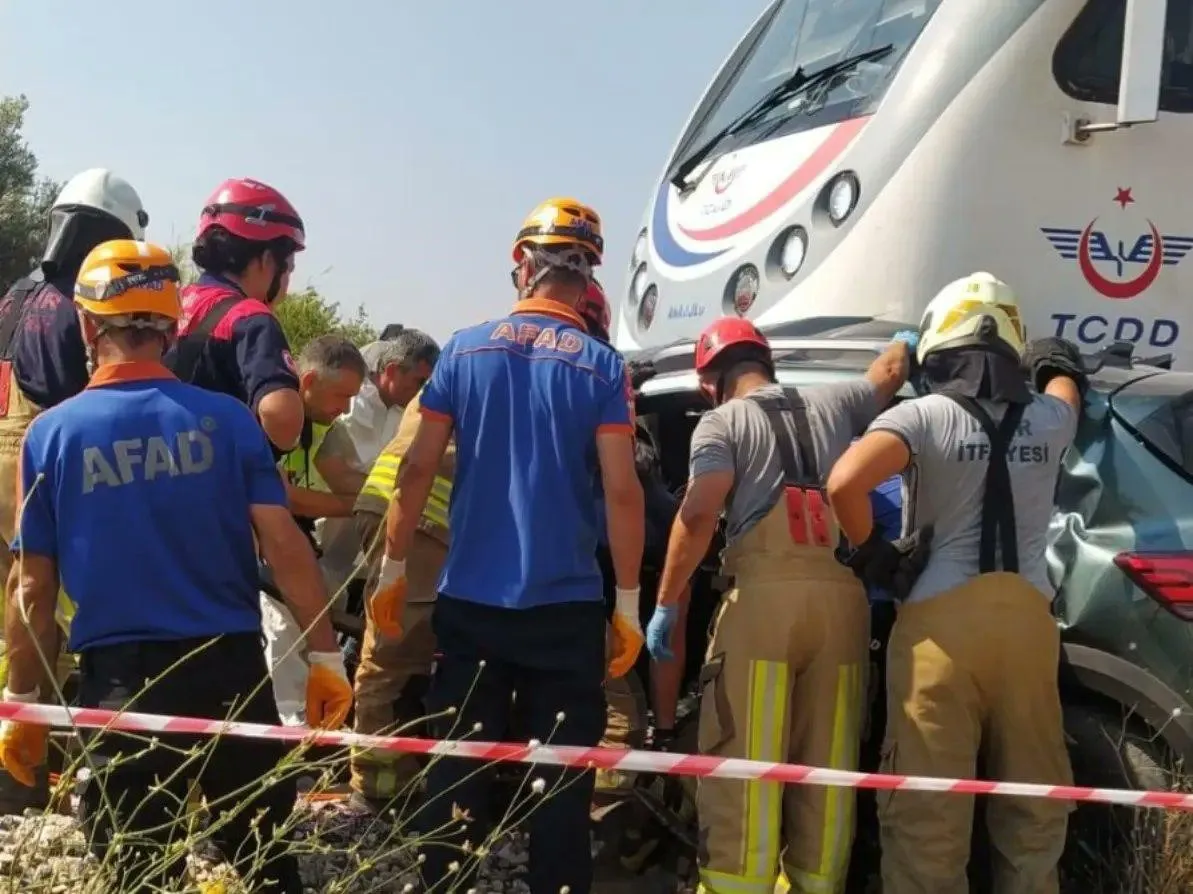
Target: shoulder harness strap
[998,504]
[776,408]
[189,350]
[807,507]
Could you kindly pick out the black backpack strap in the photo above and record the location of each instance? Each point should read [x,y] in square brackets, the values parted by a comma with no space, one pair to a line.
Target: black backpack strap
[998,503]
[17,297]
[776,407]
[189,350]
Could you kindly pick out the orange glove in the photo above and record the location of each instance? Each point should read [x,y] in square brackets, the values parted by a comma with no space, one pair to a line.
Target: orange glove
[329,694]
[23,746]
[627,633]
[388,600]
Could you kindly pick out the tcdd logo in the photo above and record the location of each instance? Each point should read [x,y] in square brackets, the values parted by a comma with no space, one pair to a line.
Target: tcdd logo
[1136,263]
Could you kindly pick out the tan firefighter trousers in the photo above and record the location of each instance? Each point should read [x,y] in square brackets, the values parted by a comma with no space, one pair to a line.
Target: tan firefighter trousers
[387,667]
[20,412]
[976,665]
[784,681]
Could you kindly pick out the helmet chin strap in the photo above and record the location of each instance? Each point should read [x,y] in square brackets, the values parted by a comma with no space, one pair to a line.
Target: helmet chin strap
[275,285]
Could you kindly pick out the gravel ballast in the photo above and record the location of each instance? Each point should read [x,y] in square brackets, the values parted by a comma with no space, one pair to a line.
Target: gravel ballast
[339,852]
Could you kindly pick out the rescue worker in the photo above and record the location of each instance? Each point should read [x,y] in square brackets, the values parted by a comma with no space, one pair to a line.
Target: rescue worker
[117,486]
[330,373]
[43,362]
[625,702]
[397,370]
[228,338]
[536,406]
[626,722]
[974,653]
[785,673]
[395,662]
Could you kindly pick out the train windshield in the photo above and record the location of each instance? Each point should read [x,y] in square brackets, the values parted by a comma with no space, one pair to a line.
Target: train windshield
[810,63]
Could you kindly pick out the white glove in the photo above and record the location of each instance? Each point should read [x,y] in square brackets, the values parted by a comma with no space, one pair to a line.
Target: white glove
[333,661]
[627,607]
[390,572]
[627,632]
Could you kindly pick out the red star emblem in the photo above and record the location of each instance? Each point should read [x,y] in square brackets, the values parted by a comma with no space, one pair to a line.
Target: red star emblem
[1123,196]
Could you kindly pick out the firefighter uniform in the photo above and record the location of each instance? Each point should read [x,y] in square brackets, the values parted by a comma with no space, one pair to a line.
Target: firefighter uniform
[785,672]
[785,677]
[392,674]
[974,654]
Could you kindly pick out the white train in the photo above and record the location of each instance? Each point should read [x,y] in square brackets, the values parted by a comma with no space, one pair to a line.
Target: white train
[852,156]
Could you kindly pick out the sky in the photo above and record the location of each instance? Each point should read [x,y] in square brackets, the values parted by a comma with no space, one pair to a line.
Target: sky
[412,137]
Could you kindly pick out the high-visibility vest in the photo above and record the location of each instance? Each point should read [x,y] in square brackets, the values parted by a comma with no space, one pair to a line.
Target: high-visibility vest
[379,487]
[299,464]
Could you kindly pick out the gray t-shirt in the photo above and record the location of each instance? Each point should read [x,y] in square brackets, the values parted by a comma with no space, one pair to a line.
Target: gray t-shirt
[737,437]
[946,482]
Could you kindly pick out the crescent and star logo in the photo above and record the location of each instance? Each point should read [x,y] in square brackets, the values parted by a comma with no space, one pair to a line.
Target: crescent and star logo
[722,180]
[1137,260]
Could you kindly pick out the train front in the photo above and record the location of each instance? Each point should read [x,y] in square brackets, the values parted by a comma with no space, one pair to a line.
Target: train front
[760,188]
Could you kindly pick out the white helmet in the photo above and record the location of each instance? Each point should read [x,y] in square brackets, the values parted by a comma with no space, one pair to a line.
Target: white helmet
[957,316]
[100,189]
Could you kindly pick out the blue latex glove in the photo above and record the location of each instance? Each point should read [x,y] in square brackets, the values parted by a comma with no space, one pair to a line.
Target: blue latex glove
[658,632]
[910,337]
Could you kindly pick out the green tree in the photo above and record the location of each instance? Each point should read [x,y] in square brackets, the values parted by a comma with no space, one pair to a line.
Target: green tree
[307,314]
[25,198]
[304,315]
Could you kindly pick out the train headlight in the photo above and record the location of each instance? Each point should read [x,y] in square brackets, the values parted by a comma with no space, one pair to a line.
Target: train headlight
[791,253]
[639,255]
[742,290]
[638,285]
[646,309]
[842,197]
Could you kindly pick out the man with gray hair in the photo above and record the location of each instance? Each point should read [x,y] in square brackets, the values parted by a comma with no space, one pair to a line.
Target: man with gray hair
[331,371]
[398,367]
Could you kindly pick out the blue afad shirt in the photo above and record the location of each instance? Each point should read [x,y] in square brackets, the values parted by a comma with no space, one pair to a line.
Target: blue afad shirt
[527,395]
[139,489]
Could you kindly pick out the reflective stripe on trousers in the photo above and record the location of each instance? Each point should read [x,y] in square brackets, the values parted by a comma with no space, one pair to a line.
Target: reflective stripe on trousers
[784,680]
[387,668]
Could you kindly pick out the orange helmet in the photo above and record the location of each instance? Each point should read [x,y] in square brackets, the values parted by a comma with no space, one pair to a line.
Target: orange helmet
[123,277]
[594,311]
[562,222]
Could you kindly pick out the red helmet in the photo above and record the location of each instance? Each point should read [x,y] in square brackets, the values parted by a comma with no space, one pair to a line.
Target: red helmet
[254,211]
[723,334]
[594,310]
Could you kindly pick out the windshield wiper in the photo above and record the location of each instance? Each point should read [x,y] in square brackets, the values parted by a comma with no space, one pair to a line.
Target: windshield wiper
[782,92]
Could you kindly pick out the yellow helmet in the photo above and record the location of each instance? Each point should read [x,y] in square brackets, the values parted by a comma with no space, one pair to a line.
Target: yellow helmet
[562,222]
[124,276]
[957,316]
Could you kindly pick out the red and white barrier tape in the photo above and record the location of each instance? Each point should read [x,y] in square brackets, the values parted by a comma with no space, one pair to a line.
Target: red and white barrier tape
[575,756]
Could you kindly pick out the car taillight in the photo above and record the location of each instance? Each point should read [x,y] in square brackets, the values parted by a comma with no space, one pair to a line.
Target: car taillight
[1166,577]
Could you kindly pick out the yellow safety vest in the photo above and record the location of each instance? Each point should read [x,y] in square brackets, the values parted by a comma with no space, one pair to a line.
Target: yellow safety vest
[379,487]
[299,464]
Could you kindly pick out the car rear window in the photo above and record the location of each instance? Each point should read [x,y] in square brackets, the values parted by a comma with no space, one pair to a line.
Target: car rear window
[1160,409]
